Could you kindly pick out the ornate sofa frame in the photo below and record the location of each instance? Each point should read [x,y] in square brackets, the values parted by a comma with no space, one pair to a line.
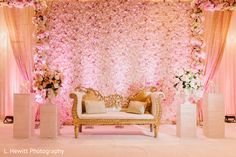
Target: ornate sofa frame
[154,123]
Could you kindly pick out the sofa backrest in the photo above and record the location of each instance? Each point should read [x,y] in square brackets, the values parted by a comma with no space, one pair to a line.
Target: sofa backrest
[116,99]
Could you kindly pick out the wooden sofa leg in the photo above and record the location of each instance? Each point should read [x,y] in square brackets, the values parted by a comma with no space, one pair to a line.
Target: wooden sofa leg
[76,129]
[155,130]
[80,128]
[151,127]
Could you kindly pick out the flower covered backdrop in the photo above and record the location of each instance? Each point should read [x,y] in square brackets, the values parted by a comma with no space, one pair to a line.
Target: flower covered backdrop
[116,46]
[144,42]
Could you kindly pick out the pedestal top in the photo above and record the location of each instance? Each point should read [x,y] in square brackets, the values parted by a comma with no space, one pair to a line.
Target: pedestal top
[22,93]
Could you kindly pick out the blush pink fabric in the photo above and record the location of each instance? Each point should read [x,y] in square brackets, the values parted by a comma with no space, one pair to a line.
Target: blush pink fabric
[10,77]
[15,54]
[225,78]
[216,29]
[20,30]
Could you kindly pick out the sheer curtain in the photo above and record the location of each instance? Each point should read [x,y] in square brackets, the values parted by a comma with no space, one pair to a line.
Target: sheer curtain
[20,29]
[16,30]
[225,78]
[216,30]
[10,77]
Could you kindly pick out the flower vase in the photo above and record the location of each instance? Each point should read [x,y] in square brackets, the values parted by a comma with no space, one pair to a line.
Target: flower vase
[50,95]
[187,94]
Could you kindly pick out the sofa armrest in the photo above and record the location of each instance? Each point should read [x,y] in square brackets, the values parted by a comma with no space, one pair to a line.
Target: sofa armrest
[77,103]
[156,102]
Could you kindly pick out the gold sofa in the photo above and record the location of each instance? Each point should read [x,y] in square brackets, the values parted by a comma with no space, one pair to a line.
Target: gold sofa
[115,118]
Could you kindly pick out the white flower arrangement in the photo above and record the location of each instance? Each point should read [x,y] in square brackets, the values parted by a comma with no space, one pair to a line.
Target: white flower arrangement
[190,82]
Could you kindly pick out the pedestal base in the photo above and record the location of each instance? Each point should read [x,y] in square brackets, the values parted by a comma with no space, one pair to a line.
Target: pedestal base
[186,120]
[213,116]
[23,126]
[49,125]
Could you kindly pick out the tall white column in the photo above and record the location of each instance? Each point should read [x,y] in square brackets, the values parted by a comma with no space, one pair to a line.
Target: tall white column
[213,116]
[186,120]
[23,126]
[49,121]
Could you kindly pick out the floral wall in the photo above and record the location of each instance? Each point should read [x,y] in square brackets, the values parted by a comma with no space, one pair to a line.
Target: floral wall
[115,46]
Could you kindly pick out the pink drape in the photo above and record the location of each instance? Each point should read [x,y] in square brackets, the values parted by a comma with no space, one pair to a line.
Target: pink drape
[225,77]
[15,54]
[10,77]
[20,28]
[216,29]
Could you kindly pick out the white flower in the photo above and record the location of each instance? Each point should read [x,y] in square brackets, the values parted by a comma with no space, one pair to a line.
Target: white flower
[186,78]
[56,85]
[40,87]
[192,84]
[57,77]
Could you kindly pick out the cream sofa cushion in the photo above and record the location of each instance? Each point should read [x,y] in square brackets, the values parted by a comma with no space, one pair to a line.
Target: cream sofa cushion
[116,115]
[136,107]
[92,106]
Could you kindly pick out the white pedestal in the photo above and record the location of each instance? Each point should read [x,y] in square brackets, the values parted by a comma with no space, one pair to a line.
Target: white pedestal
[23,126]
[213,116]
[49,121]
[186,120]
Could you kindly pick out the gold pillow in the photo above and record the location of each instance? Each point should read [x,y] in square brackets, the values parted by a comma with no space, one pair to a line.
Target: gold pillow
[140,96]
[137,107]
[90,95]
[143,96]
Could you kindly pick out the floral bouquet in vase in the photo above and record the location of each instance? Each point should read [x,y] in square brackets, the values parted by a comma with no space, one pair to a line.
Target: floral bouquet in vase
[191,83]
[48,81]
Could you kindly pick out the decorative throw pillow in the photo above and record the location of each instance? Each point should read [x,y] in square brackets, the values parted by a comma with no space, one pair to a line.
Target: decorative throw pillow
[143,96]
[137,107]
[92,106]
[90,95]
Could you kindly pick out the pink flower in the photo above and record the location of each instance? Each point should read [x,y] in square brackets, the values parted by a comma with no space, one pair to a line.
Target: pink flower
[208,5]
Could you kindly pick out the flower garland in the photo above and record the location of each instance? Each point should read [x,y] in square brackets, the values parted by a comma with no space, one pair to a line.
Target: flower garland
[41,35]
[20,3]
[215,5]
[197,27]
